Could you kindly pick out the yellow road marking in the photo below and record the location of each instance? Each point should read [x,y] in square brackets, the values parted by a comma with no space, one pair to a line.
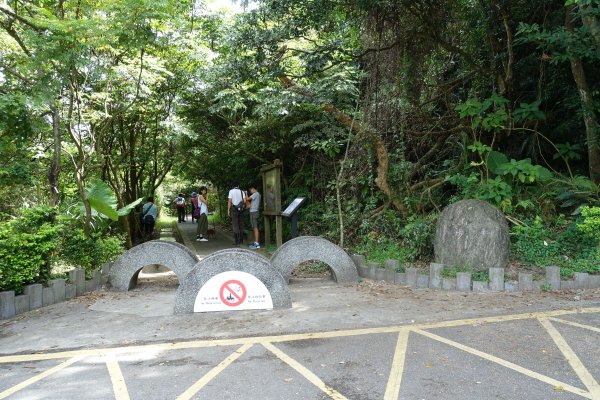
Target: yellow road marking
[508,364]
[195,388]
[38,377]
[305,372]
[581,371]
[393,387]
[289,338]
[564,321]
[117,379]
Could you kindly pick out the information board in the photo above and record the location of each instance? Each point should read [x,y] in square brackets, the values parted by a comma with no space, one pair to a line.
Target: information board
[293,207]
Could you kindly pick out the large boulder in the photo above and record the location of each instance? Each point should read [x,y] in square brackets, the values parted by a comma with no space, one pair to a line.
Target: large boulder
[473,234]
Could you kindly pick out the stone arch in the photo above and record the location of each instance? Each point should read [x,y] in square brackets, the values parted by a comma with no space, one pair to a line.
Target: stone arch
[307,248]
[232,260]
[125,270]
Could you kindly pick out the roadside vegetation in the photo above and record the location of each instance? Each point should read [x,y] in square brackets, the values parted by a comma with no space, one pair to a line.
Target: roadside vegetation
[383,112]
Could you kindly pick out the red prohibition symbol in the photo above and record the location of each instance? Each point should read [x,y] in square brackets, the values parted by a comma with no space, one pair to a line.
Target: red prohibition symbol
[232,293]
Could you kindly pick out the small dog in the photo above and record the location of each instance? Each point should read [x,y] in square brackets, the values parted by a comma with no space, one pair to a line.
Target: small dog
[211,233]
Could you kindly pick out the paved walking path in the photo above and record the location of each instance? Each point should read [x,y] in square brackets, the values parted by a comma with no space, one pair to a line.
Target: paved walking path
[366,341]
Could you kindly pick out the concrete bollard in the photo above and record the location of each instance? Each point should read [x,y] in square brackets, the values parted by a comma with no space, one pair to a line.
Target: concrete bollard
[480,287]
[21,304]
[380,274]
[390,270]
[58,287]
[70,291]
[411,276]
[34,292]
[373,267]
[7,304]
[422,281]
[435,275]
[582,280]
[567,285]
[463,281]
[449,283]
[525,281]
[47,296]
[496,279]
[553,277]
[361,265]
[400,278]
[77,277]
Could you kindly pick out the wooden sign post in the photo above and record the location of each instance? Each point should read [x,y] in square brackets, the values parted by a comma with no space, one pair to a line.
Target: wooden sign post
[271,175]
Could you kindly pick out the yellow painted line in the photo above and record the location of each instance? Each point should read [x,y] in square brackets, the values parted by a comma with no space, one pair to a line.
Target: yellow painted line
[39,377]
[580,369]
[117,379]
[393,387]
[508,364]
[575,324]
[289,338]
[305,372]
[196,387]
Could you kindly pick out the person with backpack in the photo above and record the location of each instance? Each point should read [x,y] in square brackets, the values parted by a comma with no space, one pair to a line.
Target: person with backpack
[202,215]
[180,206]
[236,202]
[149,215]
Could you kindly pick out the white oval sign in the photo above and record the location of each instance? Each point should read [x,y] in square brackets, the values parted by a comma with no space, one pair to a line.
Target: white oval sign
[232,291]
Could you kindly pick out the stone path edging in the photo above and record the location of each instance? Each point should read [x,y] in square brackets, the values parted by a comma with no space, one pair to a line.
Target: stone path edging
[125,270]
[308,248]
[232,260]
[463,282]
[37,296]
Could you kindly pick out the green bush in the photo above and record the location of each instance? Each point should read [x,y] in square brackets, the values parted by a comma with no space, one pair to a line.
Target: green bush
[417,235]
[28,245]
[563,244]
[379,249]
[89,253]
[33,242]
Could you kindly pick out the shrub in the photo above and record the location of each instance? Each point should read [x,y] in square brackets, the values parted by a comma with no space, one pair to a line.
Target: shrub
[89,253]
[27,248]
[379,249]
[417,235]
[564,245]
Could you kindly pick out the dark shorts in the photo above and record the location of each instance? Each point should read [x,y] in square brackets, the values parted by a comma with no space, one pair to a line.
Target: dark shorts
[254,219]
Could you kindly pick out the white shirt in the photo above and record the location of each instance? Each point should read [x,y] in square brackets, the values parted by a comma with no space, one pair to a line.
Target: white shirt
[236,195]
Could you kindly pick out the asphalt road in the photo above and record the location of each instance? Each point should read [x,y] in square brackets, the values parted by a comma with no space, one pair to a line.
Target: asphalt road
[366,341]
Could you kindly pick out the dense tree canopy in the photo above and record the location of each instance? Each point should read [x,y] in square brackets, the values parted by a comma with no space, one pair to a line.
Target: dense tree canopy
[382,111]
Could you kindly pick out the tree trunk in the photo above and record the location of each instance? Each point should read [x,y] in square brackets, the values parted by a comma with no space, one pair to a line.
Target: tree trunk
[587,103]
[376,142]
[54,172]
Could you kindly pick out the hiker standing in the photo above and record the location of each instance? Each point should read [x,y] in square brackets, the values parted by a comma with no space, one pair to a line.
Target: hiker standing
[254,200]
[203,216]
[236,202]
[180,205]
[149,215]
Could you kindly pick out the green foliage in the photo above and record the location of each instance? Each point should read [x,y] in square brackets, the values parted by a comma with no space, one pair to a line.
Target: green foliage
[104,202]
[380,249]
[89,253]
[417,237]
[32,243]
[563,244]
[576,192]
[28,246]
